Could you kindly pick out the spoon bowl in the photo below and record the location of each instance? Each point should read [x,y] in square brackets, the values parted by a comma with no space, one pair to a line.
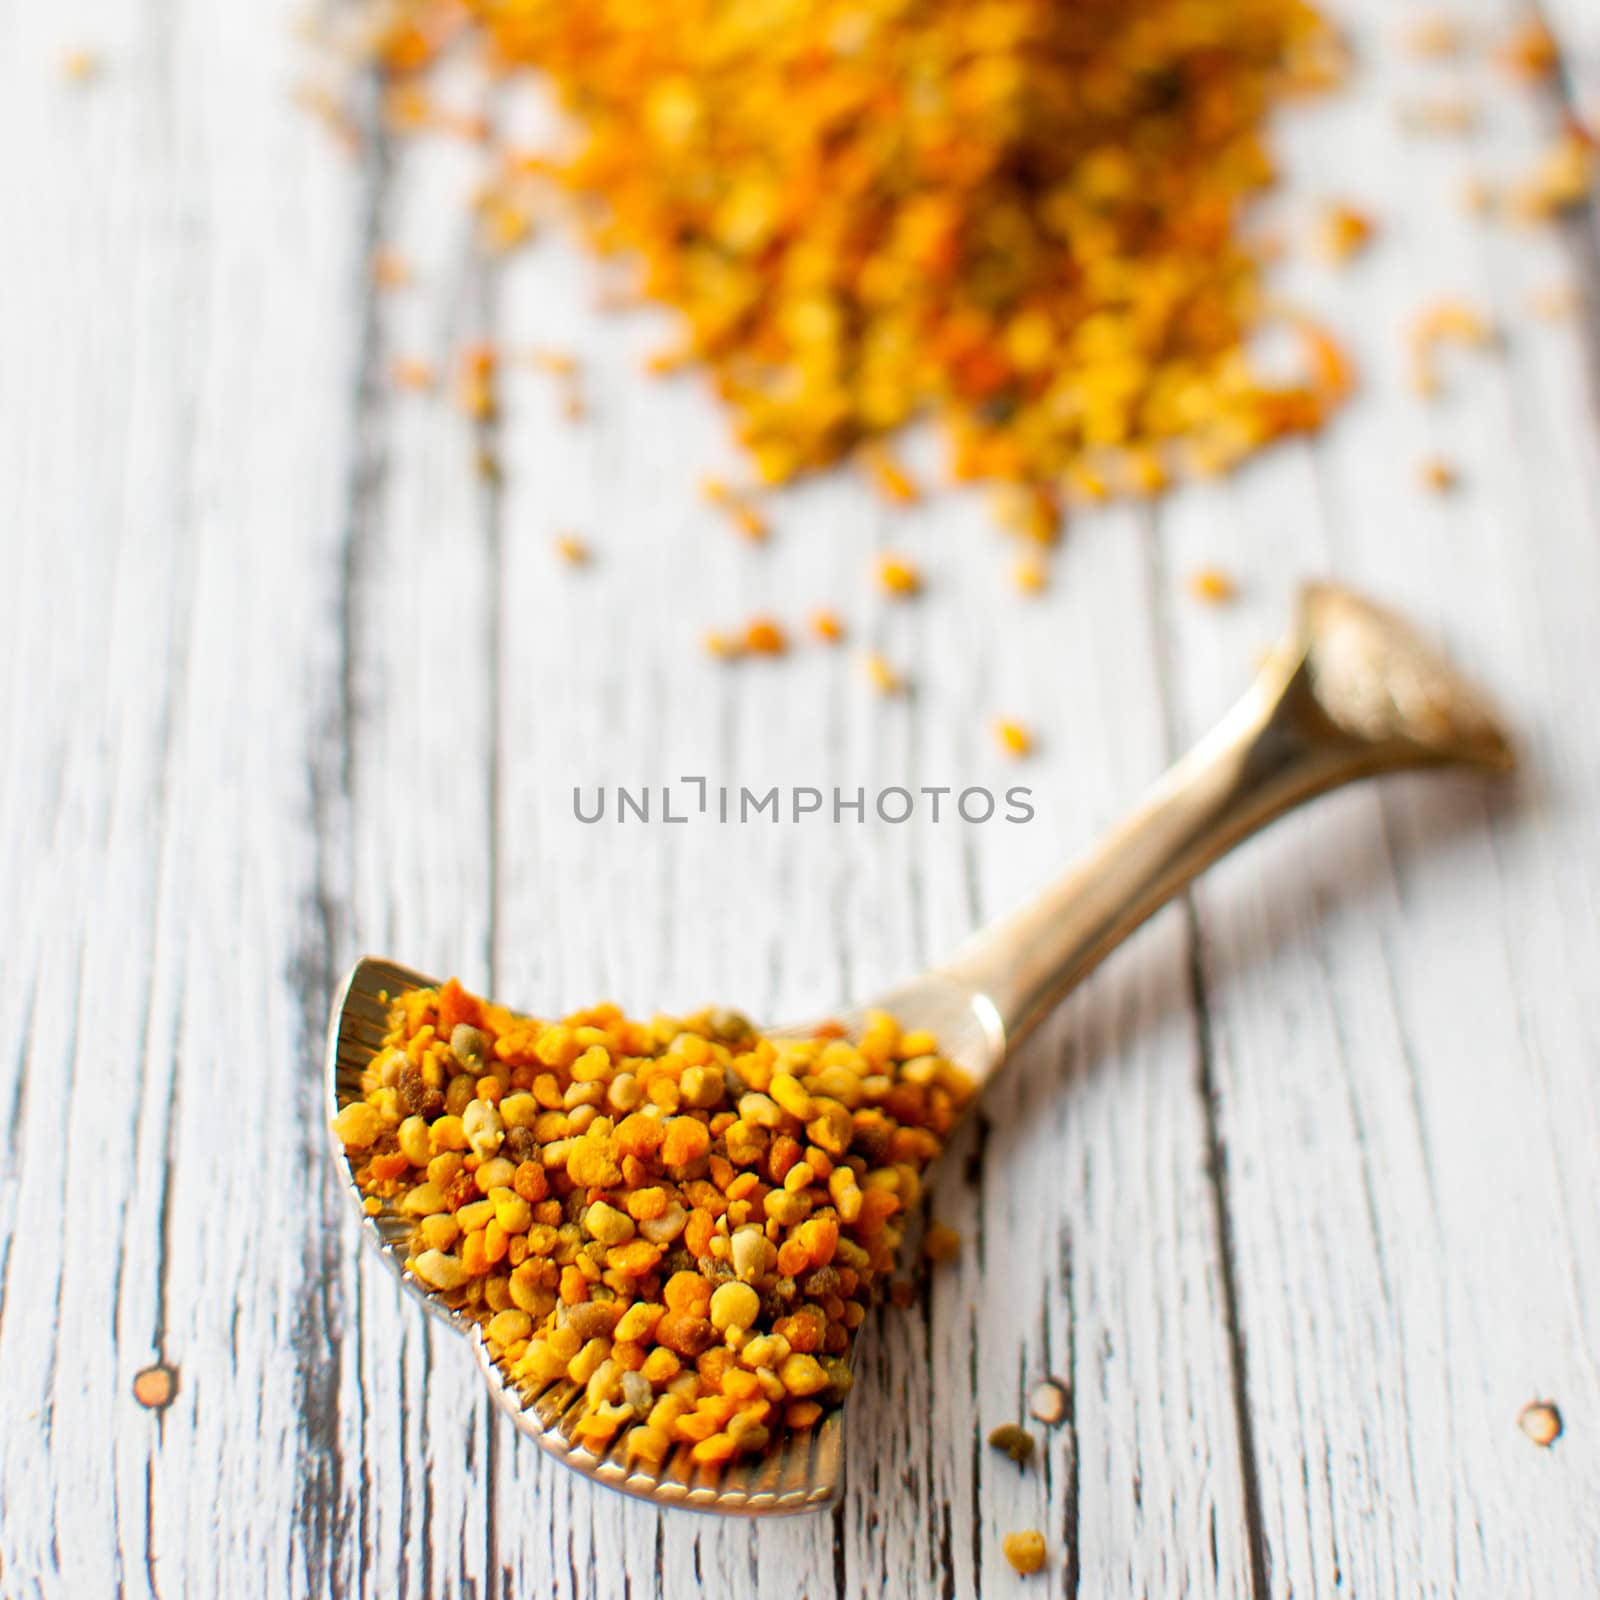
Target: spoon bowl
[1350,692]
[800,1477]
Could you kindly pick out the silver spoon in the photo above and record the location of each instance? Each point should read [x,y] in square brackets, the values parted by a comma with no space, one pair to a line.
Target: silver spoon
[1351,692]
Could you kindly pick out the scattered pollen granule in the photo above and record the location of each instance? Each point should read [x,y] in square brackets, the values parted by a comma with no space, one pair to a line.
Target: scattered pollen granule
[573,550]
[1555,302]
[749,522]
[1530,53]
[1014,739]
[1018,219]
[685,1219]
[475,382]
[155,1387]
[504,224]
[410,373]
[882,676]
[1561,180]
[1031,575]
[1212,585]
[564,369]
[1433,38]
[408,108]
[1033,512]
[890,476]
[1541,1421]
[1025,1551]
[323,104]
[764,637]
[557,363]
[1049,1402]
[1449,321]
[827,627]
[1438,475]
[899,577]
[390,269]
[1343,232]
[1448,114]
[81,65]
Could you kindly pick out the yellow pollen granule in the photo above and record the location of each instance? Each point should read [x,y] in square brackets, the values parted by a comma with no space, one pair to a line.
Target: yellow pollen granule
[1212,585]
[899,577]
[409,373]
[882,676]
[1014,739]
[1344,232]
[1438,475]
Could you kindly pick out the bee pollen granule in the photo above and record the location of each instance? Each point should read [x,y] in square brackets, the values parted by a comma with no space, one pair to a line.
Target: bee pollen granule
[684,1218]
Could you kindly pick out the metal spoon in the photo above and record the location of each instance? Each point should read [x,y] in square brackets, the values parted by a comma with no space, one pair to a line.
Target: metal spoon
[1351,692]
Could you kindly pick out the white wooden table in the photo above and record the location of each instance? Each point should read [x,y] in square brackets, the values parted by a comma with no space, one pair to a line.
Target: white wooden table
[1300,1195]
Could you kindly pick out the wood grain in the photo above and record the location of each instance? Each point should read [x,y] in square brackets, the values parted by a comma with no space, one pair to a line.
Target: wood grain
[1295,1196]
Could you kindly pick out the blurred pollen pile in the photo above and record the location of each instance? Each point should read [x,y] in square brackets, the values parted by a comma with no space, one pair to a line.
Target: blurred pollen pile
[1019,217]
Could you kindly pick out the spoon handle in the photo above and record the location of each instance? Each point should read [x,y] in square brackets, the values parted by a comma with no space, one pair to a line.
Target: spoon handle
[1349,693]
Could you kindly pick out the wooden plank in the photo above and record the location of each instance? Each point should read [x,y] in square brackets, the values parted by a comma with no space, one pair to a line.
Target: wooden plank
[168,525]
[418,739]
[1578,30]
[1398,1008]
